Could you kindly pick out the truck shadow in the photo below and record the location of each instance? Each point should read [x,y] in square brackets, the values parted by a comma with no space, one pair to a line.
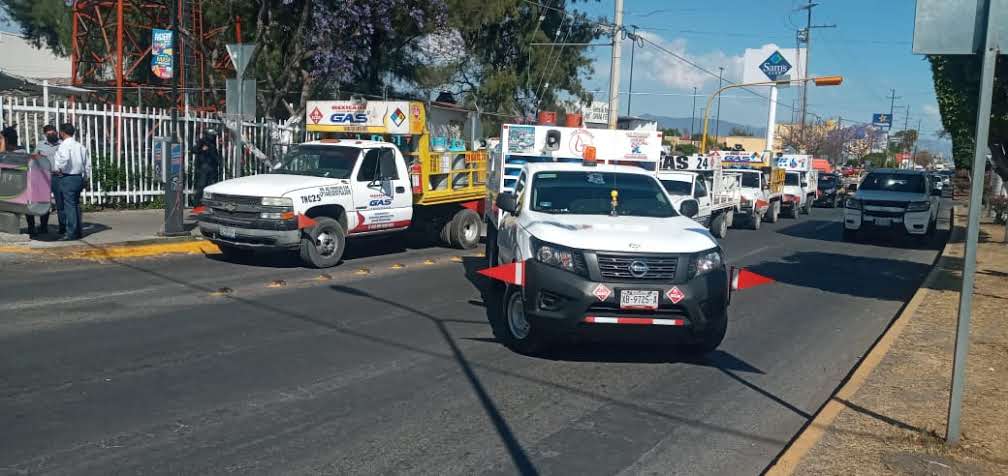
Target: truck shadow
[832,231]
[858,276]
[356,248]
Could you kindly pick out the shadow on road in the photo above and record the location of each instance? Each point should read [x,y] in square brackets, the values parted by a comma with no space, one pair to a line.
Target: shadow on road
[832,231]
[859,276]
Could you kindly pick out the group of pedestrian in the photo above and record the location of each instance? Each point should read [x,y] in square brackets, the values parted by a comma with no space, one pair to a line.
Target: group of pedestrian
[69,165]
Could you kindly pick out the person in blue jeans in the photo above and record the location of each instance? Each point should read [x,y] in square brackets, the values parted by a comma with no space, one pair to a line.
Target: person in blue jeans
[73,165]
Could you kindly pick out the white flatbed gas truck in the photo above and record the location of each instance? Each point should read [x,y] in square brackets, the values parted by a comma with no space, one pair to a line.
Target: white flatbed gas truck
[374,171]
[698,177]
[761,186]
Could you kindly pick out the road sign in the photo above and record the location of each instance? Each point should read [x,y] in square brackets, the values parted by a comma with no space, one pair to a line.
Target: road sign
[240,54]
[775,66]
[881,120]
[754,59]
[950,27]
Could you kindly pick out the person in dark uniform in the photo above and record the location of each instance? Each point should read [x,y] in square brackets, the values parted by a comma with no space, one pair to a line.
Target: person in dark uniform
[208,161]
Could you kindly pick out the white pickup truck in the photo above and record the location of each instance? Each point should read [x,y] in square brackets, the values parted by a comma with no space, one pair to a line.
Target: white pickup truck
[601,246]
[717,193]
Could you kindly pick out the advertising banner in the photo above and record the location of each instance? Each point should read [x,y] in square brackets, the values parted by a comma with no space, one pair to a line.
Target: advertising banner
[162,49]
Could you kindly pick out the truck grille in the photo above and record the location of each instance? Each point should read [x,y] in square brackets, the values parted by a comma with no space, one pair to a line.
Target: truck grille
[885,203]
[659,268]
[237,199]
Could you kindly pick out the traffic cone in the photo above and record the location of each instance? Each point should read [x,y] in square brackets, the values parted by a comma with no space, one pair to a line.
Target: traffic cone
[305,222]
[743,278]
[511,273]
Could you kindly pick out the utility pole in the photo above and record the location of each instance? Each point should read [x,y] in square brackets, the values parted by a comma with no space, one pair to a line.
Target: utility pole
[892,107]
[913,155]
[808,56]
[614,70]
[693,120]
[633,48]
[173,21]
[717,121]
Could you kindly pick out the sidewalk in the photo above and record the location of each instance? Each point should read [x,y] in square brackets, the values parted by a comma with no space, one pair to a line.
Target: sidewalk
[112,234]
[895,422]
[110,227]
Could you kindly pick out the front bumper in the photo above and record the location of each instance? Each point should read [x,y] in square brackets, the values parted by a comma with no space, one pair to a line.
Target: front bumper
[911,223]
[560,301]
[251,234]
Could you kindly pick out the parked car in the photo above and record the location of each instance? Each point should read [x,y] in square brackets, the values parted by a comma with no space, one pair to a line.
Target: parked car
[893,199]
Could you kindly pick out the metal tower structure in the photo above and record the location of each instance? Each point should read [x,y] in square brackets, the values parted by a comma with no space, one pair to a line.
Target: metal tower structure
[111,45]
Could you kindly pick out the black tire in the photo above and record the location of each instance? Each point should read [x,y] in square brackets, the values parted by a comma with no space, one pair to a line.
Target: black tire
[719,226]
[322,245]
[710,337]
[524,340]
[445,234]
[755,220]
[465,229]
[730,217]
[808,207]
[773,213]
[234,253]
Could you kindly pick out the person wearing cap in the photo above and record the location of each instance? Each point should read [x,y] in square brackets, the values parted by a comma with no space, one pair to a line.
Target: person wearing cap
[73,164]
[45,154]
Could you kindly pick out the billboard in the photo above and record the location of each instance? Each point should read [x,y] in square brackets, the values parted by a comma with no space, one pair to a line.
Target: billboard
[596,113]
[162,48]
[770,63]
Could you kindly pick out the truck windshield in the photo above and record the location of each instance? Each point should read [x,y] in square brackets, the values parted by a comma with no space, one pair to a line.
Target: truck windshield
[827,181]
[792,178]
[909,183]
[750,180]
[675,187]
[590,193]
[332,161]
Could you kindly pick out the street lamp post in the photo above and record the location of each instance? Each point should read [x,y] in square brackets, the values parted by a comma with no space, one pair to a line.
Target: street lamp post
[819,81]
[717,122]
[692,119]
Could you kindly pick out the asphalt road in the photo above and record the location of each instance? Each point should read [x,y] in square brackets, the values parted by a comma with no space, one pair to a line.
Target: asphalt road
[194,365]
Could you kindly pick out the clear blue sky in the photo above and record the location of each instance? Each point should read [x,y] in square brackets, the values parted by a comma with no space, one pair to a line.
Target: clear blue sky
[870,47]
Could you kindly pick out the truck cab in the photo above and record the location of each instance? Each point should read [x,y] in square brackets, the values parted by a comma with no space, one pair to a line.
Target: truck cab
[800,184]
[760,186]
[701,178]
[600,245]
[683,185]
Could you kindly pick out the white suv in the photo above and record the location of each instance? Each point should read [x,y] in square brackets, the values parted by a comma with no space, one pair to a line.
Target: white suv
[893,199]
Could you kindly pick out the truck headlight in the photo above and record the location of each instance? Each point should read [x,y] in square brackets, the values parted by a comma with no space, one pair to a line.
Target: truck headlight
[853,203]
[277,202]
[705,262]
[918,206]
[557,256]
[207,195]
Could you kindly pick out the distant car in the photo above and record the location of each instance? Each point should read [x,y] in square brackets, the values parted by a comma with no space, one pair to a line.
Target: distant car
[893,199]
[830,191]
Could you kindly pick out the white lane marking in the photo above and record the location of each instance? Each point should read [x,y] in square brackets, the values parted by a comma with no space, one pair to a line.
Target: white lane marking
[750,253]
[36,303]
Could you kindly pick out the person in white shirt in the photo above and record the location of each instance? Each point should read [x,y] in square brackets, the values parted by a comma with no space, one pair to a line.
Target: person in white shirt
[73,165]
[45,154]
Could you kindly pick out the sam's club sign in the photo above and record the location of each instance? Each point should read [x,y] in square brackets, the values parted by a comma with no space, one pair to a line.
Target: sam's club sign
[775,66]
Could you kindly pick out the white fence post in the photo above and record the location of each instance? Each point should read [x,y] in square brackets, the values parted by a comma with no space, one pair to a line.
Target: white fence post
[129,158]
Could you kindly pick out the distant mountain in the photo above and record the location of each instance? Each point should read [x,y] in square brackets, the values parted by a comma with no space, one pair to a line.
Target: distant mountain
[683,124]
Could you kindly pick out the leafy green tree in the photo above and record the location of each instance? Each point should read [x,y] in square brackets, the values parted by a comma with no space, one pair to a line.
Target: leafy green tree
[46,23]
[686,149]
[957,86]
[741,132]
[874,159]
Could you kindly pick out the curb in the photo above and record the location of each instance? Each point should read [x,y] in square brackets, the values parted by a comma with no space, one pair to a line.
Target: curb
[787,461]
[126,249]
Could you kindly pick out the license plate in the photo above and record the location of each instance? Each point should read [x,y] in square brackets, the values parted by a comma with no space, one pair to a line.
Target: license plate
[227,232]
[883,221]
[637,299]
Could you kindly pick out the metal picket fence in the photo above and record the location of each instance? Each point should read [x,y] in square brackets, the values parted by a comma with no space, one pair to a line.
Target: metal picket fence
[124,174]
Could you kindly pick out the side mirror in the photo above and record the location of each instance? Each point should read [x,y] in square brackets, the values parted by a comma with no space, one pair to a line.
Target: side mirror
[937,191]
[804,185]
[689,208]
[508,202]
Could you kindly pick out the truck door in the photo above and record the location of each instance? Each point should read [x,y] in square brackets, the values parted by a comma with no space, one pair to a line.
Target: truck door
[507,233]
[702,196]
[383,197]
